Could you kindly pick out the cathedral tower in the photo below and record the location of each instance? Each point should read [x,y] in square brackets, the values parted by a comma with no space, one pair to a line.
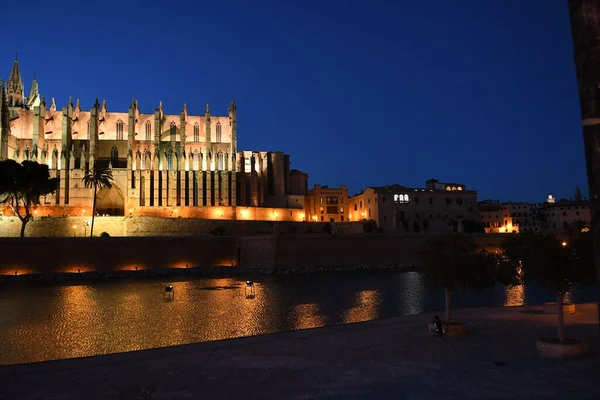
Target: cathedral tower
[15,90]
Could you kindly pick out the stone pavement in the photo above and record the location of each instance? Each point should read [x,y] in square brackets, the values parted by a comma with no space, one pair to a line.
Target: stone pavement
[392,358]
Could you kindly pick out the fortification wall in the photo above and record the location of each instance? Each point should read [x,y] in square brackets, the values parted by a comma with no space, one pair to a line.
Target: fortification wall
[45,255]
[148,226]
[283,251]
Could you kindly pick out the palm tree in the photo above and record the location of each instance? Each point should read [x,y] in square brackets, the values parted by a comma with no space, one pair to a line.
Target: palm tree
[99,178]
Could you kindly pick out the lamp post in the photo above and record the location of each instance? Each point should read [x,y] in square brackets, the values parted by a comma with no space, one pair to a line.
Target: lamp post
[74,230]
[585,32]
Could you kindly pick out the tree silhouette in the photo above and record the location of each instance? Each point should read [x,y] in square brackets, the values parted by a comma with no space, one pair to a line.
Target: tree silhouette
[98,177]
[22,185]
[453,263]
[552,264]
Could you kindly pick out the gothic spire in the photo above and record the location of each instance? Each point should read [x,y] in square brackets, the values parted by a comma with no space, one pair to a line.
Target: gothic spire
[15,74]
[15,91]
[34,94]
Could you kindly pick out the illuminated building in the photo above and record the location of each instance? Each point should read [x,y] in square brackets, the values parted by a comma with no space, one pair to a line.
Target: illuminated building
[325,204]
[439,207]
[159,161]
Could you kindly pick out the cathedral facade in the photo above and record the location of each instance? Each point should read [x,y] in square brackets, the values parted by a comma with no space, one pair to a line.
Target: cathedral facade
[163,164]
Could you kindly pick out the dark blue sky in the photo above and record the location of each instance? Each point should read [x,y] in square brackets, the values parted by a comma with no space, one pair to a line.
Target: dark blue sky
[362,93]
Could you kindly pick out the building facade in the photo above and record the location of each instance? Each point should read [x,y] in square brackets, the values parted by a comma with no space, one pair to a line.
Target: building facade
[159,160]
[325,204]
[564,215]
[439,207]
[509,217]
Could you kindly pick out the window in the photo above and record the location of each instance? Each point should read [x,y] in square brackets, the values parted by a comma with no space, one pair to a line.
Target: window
[148,130]
[220,162]
[196,132]
[459,201]
[400,198]
[114,156]
[88,127]
[173,131]
[332,210]
[355,207]
[119,130]
[218,138]
[431,200]
[170,160]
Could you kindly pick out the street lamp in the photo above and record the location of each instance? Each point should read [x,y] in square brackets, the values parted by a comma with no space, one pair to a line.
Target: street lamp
[74,230]
[86,223]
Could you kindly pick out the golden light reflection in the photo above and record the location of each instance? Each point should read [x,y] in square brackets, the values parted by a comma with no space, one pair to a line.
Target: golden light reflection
[305,316]
[366,307]
[515,296]
[568,297]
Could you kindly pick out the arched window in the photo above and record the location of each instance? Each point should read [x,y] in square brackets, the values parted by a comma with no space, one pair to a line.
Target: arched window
[218,138]
[220,162]
[196,162]
[406,198]
[170,160]
[196,132]
[119,130]
[395,198]
[173,131]
[148,130]
[114,156]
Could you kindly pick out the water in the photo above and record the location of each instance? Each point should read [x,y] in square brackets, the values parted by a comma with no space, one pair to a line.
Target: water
[73,320]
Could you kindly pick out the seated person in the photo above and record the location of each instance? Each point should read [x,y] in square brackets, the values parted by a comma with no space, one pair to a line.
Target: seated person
[437,326]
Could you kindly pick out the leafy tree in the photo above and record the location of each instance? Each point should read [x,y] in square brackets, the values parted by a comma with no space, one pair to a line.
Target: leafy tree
[22,185]
[453,263]
[552,264]
[99,177]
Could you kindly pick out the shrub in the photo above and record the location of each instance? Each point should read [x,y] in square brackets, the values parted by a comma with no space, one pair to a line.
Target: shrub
[104,235]
[369,226]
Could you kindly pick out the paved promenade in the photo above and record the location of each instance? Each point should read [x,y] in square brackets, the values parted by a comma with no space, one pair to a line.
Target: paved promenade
[393,358]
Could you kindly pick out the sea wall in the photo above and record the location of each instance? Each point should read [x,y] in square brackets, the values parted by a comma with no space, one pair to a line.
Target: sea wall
[285,251]
[60,255]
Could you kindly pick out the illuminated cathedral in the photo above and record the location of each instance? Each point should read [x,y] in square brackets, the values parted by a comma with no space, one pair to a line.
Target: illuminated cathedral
[163,164]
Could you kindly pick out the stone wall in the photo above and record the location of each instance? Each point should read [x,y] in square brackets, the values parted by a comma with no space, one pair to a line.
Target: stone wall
[44,255]
[282,251]
[148,226]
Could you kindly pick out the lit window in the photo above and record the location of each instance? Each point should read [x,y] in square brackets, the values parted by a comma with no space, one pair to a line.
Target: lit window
[218,138]
[196,132]
[119,130]
[170,160]
[114,156]
[148,130]
[173,131]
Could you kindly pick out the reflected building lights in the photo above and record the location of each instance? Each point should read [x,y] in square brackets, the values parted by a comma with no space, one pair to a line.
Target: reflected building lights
[514,296]
[306,316]
[412,293]
[366,307]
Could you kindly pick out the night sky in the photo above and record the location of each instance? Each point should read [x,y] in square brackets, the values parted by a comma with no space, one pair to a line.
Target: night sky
[476,92]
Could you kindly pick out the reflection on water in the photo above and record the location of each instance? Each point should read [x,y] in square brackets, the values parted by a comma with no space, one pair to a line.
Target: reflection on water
[515,296]
[305,316]
[365,307]
[412,293]
[62,321]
